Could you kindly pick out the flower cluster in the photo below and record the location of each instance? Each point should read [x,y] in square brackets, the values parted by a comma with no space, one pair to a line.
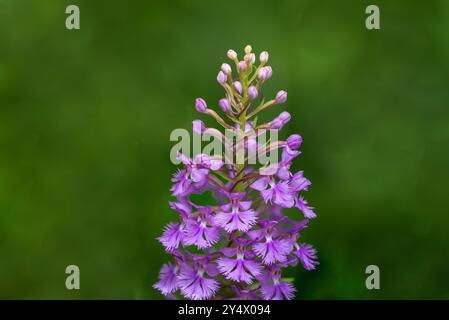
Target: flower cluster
[238,247]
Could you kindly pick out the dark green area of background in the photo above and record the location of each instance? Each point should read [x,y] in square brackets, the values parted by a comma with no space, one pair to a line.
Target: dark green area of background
[85,118]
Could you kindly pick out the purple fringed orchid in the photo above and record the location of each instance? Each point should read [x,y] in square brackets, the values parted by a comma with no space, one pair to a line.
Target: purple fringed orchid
[238,263]
[238,247]
[236,215]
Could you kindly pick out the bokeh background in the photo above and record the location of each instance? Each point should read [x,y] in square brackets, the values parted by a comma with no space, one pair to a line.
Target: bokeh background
[85,119]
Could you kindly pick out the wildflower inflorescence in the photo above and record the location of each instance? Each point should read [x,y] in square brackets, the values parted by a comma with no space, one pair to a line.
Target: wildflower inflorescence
[238,247]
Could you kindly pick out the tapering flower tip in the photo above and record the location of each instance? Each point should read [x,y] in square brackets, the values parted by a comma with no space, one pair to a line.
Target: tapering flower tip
[232,54]
[198,126]
[285,117]
[281,97]
[250,58]
[222,77]
[263,57]
[200,105]
[225,105]
[248,49]
[252,93]
[242,66]
[226,68]
[238,87]
[294,141]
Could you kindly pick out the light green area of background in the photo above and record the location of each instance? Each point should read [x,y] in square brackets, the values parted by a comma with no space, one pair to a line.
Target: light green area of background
[85,118]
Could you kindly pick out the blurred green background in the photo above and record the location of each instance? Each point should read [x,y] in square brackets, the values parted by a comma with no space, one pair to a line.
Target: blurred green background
[85,118]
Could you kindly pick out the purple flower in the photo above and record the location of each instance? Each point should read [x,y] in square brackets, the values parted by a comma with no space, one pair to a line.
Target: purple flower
[283,168]
[201,233]
[168,280]
[274,192]
[308,212]
[172,236]
[272,250]
[196,171]
[236,215]
[182,207]
[241,268]
[242,240]
[273,288]
[194,285]
[278,291]
[244,294]
[182,182]
[298,182]
[307,255]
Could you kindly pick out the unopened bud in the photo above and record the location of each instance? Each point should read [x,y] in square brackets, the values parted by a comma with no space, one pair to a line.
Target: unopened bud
[250,58]
[276,123]
[252,93]
[280,121]
[269,72]
[198,126]
[222,77]
[226,68]
[294,141]
[248,49]
[285,117]
[238,86]
[225,105]
[232,54]
[281,96]
[263,57]
[264,73]
[242,66]
[200,105]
